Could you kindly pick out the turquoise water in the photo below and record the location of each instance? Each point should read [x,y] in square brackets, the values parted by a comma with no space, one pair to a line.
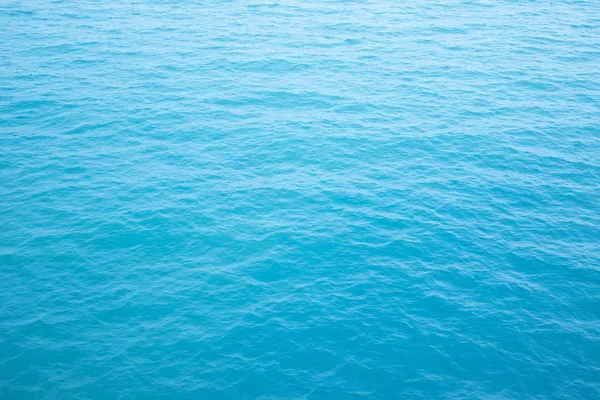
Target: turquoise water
[299,199]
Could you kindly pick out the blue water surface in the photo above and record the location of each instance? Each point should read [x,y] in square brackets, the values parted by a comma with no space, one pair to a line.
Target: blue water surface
[329,199]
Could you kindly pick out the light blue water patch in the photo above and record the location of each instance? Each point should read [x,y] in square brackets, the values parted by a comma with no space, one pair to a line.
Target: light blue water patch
[299,199]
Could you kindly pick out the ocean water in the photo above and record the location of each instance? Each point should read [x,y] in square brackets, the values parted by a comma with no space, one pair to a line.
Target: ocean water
[300,199]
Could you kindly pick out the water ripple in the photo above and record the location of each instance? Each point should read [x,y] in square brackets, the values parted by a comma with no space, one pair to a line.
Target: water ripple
[301,200]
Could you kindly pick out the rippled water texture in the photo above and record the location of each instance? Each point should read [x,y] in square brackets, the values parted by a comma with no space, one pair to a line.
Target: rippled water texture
[299,199]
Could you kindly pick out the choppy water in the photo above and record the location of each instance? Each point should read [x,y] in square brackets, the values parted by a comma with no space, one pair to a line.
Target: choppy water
[299,199]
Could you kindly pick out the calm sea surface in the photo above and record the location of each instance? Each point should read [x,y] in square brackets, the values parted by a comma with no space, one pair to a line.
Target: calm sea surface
[299,199]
